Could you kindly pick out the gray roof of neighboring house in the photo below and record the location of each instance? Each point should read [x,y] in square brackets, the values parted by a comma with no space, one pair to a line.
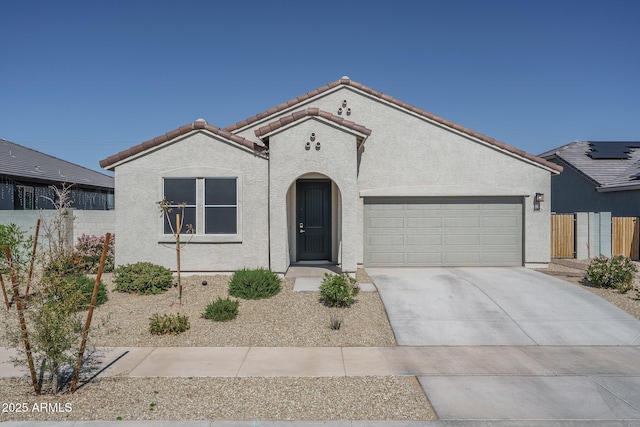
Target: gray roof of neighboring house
[19,161]
[605,172]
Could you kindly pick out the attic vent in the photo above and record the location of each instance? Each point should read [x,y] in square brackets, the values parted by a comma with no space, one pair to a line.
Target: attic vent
[611,150]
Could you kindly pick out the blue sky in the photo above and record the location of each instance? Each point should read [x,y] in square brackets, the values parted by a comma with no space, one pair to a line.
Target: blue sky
[82,80]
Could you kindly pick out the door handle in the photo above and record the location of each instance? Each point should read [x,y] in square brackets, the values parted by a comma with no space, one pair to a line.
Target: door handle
[301,231]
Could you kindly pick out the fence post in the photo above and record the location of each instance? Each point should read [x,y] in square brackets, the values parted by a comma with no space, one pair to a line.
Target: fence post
[605,234]
[582,235]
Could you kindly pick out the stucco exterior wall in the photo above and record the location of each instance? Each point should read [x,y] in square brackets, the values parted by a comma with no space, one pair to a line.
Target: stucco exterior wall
[407,155]
[572,192]
[139,225]
[290,160]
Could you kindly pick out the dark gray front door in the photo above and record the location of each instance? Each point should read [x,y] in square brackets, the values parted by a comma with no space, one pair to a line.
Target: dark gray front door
[313,220]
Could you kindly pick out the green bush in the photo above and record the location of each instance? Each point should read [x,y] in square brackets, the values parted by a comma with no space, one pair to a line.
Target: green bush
[143,278]
[222,310]
[168,324]
[338,290]
[67,263]
[616,272]
[20,245]
[254,284]
[85,285]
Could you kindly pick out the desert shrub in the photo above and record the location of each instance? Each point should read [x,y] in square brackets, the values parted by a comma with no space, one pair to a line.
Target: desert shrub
[254,284]
[338,290]
[222,310]
[143,278]
[89,250]
[85,285]
[19,243]
[616,272]
[67,263]
[173,324]
[335,320]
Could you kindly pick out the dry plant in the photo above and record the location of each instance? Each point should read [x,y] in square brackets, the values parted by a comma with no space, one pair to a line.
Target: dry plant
[166,208]
[50,326]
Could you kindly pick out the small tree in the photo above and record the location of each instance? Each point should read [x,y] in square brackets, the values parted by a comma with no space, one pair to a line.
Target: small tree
[52,319]
[166,209]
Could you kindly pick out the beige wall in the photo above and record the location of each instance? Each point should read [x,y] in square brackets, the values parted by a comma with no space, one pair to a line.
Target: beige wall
[290,160]
[407,155]
[139,226]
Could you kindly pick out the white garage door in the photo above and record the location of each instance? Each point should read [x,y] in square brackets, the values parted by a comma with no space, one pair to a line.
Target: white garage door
[449,231]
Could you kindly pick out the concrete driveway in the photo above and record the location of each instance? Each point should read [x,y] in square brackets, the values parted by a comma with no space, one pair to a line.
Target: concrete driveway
[476,306]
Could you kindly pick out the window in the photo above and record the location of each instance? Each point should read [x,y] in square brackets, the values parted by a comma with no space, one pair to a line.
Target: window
[178,191]
[220,206]
[23,197]
[210,205]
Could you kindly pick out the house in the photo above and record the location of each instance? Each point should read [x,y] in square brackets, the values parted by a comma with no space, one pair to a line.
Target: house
[342,174]
[26,176]
[599,176]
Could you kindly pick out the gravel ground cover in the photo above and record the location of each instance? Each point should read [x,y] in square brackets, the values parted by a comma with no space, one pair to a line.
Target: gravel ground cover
[628,302]
[287,319]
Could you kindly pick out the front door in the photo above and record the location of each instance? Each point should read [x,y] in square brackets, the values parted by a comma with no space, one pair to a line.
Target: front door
[313,225]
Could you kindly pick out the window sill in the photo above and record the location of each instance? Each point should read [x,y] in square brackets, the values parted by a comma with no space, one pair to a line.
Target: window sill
[210,238]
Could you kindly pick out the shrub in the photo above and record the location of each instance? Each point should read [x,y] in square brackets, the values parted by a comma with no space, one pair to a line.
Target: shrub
[221,310]
[85,285]
[338,290]
[65,264]
[143,278]
[616,272]
[19,243]
[168,324]
[254,284]
[335,320]
[89,251]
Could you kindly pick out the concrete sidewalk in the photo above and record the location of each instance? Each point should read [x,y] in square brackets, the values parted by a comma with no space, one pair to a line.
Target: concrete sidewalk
[463,383]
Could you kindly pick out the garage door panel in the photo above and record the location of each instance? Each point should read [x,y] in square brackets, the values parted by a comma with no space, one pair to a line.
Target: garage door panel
[413,222]
[386,240]
[387,223]
[501,240]
[424,258]
[462,258]
[423,239]
[387,258]
[462,239]
[443,231]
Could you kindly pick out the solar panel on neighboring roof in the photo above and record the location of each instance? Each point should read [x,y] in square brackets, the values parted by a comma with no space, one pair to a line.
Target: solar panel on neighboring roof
[611,150]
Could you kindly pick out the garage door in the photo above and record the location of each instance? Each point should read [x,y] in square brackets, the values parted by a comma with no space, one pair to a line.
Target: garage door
[453,231]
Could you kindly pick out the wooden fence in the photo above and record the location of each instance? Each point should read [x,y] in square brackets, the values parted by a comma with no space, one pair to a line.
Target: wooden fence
[625,237]
[563,236]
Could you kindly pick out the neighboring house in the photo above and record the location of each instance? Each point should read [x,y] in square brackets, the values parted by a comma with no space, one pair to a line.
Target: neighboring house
[26,176]
[342,174]
[599,176]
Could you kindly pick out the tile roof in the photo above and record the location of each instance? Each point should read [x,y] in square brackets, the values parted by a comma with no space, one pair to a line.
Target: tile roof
[604,173]
[198,124]
[19,161]
[283,121]
[229,131]
[359,86]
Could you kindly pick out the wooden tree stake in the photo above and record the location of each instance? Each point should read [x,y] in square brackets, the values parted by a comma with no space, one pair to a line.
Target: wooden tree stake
[87,325]
[23,324]
[4,293]
[33,257]
[178,227]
